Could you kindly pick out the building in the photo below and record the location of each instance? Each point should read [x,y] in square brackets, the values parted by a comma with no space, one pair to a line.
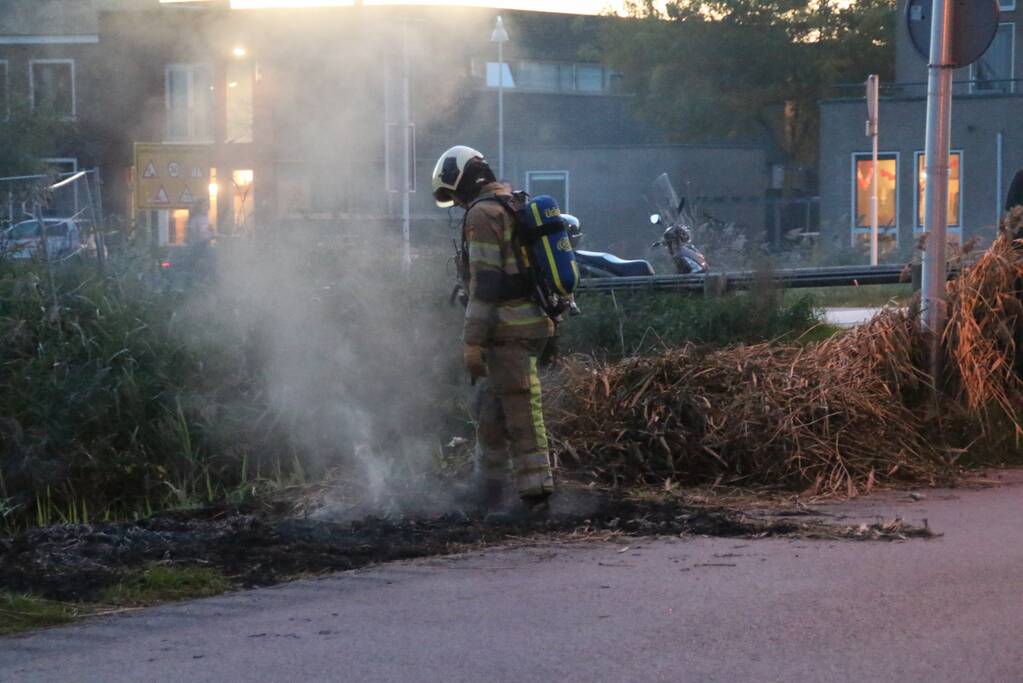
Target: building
[301,112]
[986,143]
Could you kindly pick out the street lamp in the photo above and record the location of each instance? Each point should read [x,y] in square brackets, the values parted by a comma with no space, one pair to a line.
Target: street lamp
[500,36]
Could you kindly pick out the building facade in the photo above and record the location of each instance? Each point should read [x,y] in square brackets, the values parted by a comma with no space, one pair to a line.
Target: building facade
[986,145]
[303,113]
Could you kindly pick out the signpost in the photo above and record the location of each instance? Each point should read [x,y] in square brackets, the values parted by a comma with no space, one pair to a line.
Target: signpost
[873,95]
[168,176]
[949,34]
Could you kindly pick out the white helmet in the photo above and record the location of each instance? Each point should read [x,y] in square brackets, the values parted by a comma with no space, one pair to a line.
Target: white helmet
[448,173]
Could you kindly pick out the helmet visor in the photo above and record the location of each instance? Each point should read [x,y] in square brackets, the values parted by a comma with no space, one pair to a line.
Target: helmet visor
[443,197]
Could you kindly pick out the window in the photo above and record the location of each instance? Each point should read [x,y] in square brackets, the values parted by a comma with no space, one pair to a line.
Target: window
[993,72]
[1007,5]
[589,78]
[887,192]
[550,76]
[955,207]
[5,102]
[51,84]
[189,102]
[496,78]
[240,81]
[553,183]
[539,76]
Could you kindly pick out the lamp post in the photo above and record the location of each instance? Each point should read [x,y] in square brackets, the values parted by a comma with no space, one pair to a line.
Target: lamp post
[500,36]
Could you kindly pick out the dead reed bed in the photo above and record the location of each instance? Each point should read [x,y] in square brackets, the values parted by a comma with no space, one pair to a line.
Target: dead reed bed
[834,417]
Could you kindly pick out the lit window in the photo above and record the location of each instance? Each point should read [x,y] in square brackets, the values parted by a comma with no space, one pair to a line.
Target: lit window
[552,183]
[244,203]
[887,192]
[954,185]
[993,71]
[240,80]
[52,85]
[189,103]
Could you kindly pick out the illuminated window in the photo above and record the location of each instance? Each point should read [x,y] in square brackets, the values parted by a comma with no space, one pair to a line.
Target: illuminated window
[887,192]
[244,203]
[552,183]
[955,207]
[240,80]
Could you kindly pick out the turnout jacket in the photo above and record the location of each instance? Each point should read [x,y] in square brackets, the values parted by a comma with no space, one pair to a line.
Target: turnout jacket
[493,316]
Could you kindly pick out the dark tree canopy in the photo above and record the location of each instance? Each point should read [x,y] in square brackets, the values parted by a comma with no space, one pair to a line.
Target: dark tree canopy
[713,69]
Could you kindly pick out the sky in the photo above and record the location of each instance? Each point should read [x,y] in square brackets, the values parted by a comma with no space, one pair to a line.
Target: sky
[569,6]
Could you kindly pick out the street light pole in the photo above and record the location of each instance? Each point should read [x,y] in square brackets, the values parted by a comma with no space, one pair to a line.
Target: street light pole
[500,36]
[939,123]
[873,95]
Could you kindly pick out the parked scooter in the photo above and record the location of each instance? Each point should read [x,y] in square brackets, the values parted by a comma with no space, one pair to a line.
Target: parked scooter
[677,236]
[598,263]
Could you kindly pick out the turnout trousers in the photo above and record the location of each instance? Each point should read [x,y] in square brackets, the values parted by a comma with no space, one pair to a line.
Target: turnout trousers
[509,415]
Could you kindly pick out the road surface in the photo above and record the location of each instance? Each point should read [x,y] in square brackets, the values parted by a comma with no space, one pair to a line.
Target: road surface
[849,317]
[670,609]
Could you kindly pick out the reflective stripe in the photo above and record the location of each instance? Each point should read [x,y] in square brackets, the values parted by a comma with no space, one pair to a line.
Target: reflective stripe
[536,407]
[485,253]
[553,264]
[526,313]
[536,214]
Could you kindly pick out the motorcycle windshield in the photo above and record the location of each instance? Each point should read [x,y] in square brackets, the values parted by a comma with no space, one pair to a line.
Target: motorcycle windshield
[665,199]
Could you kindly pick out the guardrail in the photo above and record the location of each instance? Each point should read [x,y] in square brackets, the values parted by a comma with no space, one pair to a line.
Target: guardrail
[836,276]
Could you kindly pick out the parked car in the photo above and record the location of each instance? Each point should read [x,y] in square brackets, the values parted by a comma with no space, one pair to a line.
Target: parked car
[64,237]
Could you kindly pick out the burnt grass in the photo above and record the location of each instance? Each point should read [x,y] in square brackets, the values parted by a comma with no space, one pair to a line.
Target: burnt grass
[259,546]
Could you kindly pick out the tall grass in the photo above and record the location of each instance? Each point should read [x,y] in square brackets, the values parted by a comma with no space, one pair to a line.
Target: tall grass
[129,396]
[631,323]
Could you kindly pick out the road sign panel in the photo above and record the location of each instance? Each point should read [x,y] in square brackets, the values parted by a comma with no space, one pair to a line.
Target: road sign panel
[163,173]
[974,24]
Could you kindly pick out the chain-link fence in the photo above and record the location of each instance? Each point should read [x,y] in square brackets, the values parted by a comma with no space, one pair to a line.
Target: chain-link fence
[56,217]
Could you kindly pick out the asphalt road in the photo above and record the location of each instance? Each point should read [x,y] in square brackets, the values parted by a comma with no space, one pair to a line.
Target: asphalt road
[689,609]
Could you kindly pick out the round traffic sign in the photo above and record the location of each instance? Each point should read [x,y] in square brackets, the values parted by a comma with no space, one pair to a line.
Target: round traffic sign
[974,25]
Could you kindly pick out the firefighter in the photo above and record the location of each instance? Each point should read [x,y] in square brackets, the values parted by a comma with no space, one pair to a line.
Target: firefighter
[504,335]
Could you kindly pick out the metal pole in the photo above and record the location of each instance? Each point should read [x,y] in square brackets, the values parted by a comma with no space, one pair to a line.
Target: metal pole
[406,197]
[500,110]
[999,171]
[872,95]
[939,123]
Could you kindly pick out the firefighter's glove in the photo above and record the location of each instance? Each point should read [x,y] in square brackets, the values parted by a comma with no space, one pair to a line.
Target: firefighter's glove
[472,354]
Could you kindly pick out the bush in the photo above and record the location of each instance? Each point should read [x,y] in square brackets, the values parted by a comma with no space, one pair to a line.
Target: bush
[631,323]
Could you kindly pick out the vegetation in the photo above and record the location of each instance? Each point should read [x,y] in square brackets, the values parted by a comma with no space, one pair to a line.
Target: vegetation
[741,68]
[162,583]
[120,396]
[28,136]
[630,323]
[25,612]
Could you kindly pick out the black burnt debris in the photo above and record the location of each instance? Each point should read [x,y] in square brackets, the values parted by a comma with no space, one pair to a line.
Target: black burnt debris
[263,546]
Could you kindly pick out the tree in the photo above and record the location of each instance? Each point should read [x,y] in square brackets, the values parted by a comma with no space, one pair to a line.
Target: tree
[28,136]
[740,69]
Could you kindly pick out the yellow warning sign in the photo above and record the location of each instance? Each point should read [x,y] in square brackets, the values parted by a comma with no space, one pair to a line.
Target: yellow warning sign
[161,180]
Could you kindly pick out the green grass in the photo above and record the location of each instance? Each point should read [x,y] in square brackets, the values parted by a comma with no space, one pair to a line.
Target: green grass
[644,322]
[154,585]
[25,612]
[162,584]
[854,297]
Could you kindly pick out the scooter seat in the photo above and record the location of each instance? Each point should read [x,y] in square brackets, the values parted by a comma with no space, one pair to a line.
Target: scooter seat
[612,265]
